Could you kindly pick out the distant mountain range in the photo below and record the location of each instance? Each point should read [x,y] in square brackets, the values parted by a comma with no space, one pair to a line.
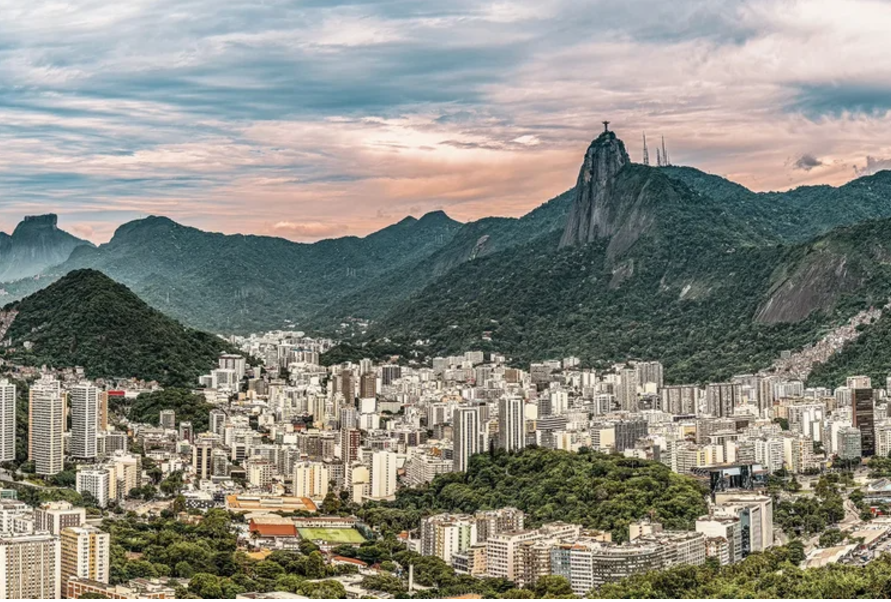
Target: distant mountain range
[634,261]
[87,319]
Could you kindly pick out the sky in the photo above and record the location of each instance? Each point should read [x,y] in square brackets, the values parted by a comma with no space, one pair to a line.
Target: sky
[315,119]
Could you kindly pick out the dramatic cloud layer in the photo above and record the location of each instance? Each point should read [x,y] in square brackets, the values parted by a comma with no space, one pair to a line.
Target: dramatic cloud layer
[310,119]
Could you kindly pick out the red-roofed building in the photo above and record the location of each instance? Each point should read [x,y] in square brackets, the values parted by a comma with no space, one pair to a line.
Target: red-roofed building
[273,530]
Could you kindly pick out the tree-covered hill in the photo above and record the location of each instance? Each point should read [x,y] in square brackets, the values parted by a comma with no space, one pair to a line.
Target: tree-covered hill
[147,407]
[472,241]
[87,319]
[595,490]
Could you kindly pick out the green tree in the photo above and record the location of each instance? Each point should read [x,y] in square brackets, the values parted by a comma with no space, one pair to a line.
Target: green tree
[205,586]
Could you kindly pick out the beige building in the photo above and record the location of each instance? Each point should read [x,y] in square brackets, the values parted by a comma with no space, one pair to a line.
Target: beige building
[503,553]
[52,517]
[85,554]
[311,480]
[445,535]
[30,567]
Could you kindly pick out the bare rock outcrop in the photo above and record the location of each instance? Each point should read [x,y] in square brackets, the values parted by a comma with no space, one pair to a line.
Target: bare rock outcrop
[593,214]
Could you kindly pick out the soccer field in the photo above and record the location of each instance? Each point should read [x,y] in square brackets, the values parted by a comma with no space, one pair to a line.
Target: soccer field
[332,535]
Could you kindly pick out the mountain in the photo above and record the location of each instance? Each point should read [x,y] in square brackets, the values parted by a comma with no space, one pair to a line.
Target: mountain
[237,283]
[36,244]
[649,267]
[799,214]
[87,319]
[470,242]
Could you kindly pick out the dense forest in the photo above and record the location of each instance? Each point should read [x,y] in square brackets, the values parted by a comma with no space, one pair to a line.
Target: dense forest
[593,489]
[87,319]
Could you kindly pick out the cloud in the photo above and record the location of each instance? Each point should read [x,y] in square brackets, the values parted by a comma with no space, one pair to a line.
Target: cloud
[315,118]
[807,162]
[873,166]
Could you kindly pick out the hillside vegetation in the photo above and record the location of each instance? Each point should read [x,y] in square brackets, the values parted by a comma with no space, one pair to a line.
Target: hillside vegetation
[595,490]
[87,319]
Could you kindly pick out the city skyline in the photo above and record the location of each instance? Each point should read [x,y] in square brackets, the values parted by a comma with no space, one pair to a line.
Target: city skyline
[323,120]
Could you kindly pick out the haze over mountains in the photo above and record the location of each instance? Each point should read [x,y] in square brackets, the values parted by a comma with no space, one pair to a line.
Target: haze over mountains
[36,244]
[635,261]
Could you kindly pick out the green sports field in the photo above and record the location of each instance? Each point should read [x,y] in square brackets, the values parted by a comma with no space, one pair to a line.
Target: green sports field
[332,535]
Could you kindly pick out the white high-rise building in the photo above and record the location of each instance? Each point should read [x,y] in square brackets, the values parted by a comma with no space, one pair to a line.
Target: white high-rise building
[46,413]
[234,362]
[511,424]
[96,482]
[7,421]
[83,401]
[383,475]
[167,419]
[466,435]
[217,422]
[627,391]
[30,567]
[311,480]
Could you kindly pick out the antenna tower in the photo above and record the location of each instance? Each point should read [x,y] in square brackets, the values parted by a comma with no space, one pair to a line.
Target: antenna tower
[665,153]
[646,152]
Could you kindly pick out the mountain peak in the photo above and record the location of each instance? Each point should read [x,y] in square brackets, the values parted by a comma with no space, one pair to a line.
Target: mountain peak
[146,227]
[590,216]
[49,220]
[36,244]
[436,217]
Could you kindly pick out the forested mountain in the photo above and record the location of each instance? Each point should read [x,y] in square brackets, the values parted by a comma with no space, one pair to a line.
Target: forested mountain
[87,319]
[235,283]
[473,240]
[649,267]
[36,244]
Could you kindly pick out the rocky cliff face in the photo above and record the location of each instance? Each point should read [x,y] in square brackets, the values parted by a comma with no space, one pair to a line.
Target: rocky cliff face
[594,214]
[36,244]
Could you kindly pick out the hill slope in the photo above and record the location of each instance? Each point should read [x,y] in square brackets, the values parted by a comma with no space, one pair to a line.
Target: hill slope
[35,244]
[87,319]
[470,242]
